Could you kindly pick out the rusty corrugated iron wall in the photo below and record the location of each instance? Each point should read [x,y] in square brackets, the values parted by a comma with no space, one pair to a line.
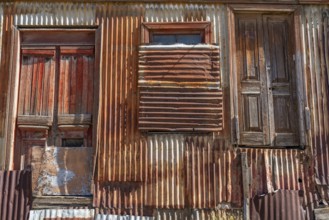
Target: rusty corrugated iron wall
[140,172]
[315,23]
[282,204]
[15,194]
[179,171]
[118,138]
[281,169]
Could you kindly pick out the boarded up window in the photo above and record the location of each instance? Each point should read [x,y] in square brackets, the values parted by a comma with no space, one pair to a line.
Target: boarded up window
[179,78]
[266,81]
[179,88]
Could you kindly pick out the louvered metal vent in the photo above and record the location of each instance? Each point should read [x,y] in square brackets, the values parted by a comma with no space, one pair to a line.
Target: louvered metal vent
[179,88]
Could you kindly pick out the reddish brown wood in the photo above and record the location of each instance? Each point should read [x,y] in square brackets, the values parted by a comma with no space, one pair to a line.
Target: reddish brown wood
[76,77]
[36,81]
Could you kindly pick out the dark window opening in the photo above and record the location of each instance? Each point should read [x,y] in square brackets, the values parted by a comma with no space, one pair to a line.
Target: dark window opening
[72,142]
[176,38]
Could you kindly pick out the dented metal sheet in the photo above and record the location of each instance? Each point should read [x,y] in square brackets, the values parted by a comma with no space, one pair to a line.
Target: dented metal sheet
[15,194]
[281,204]
[62,214]
[62,171]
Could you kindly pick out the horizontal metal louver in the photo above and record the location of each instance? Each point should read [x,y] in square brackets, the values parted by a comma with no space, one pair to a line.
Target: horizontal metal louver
[179,88]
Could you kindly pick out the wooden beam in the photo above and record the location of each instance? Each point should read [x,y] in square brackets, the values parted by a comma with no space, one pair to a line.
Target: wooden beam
[246,186]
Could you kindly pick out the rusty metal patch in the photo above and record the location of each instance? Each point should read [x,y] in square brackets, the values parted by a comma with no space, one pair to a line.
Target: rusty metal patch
[62,171]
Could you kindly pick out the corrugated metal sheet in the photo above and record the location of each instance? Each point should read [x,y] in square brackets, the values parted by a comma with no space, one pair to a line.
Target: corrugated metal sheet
[15,194]
[196,214]
[316,61]
[62,214]
[121,217]
[184,94]
[179,171]
[281,169]
[57,14]
[118,142]
[315,38]
[282,204]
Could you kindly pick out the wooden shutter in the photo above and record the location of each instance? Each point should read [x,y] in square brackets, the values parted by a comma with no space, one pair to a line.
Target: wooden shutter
[37,81]
[180,88]
[76,80]
[252,100]
[283,113]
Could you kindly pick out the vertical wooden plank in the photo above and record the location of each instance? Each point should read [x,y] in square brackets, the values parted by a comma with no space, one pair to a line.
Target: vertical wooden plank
[25,86]
[246,186]
[79,84]
[61,86]
[85,83]
[41,61]
[45,87]
[73,84]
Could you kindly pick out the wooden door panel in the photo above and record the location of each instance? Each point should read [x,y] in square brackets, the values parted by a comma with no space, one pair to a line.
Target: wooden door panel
[278,49]
[252,113]
[76,81]
[251,87]
[37,78]
[281,106]
[249,46]
[281,83]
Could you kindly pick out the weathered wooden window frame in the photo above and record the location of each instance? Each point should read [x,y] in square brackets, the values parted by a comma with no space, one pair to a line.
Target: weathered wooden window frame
[300,75]
[13,83]
[150,28]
